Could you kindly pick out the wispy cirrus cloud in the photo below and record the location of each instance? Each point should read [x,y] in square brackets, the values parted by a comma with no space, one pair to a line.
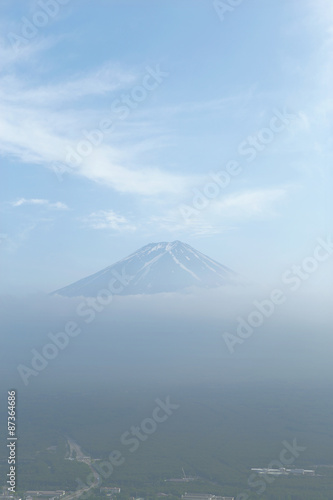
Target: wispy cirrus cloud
[99,82]
[37,127]
[27,54]
[221,215]
[248,204]
[58,205]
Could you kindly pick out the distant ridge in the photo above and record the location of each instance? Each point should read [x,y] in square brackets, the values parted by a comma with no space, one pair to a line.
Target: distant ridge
[155,268]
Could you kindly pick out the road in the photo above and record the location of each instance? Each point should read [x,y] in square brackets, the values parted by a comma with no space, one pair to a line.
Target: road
[80,457]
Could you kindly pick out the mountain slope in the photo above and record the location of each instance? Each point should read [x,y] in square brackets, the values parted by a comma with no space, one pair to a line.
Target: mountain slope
[155,268]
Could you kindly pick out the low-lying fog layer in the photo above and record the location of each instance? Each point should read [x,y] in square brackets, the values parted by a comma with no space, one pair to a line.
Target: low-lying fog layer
[233,333]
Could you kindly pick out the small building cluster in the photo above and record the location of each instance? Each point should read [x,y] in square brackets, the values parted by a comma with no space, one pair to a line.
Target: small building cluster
[203,496]
[285,472]
[109,491]
[44,495]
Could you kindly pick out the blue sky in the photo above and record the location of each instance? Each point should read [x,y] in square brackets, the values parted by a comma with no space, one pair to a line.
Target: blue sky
[189,90]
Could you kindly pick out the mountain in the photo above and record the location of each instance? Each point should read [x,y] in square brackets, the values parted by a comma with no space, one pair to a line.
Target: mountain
[155,268]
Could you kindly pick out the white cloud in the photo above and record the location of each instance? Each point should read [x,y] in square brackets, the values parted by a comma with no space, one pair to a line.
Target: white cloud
[58,205]
[107,166]
[10,57]
[108,219]
[219,216]
[37,127]
[249,204]
[101,81]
